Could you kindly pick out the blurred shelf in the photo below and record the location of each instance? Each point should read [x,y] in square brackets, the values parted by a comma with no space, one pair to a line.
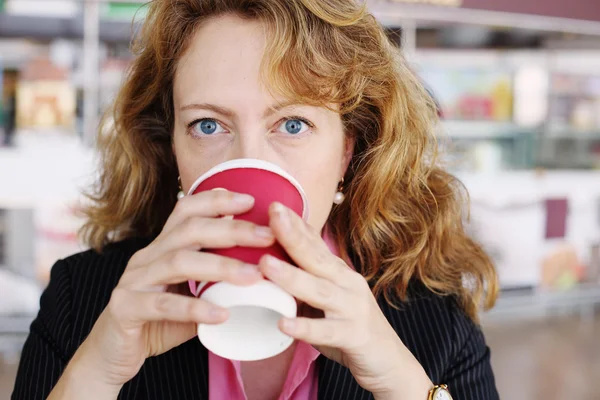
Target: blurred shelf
[572,133]
[582,299]
[13,333]
[17,26]
[481,130]
[508,130]
[15,325]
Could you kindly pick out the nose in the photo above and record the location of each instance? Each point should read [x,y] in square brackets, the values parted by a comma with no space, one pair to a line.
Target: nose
[250,145]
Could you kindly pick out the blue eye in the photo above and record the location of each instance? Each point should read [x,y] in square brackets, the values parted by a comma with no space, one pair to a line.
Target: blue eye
[207,127]
[293,126]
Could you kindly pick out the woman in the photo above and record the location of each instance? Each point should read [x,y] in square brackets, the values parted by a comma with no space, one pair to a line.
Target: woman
[315,87]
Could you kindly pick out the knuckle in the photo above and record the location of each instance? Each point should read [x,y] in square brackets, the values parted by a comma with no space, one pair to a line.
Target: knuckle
[229,267]
[300,241]
[328,333]
[199,309]
[239,227]
[193,227]
[189,225]
[325,290]
[182,206]
[310,230]
[177,261]
[168,260]
[292,279]
[321,257]
[227,195]
[305,328]
[162,302]
[220,198]
[191,308]
[341,265]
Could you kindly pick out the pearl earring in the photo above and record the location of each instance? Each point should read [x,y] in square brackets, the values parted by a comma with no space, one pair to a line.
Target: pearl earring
[339,196]
[180,194]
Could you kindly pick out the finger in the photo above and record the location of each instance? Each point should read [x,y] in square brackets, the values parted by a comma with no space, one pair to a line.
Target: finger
[304,246]
[183,265]
[318,332]
[134,308]
[198,232]
[209,204]
[313,290]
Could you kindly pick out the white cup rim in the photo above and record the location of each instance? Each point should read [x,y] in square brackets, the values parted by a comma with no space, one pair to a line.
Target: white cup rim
[256,164]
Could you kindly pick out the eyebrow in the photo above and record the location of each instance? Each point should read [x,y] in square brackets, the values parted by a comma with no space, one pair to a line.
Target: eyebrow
[209,107]
[230,113]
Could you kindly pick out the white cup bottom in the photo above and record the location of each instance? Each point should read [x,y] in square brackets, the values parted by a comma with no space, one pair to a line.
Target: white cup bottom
[251,332]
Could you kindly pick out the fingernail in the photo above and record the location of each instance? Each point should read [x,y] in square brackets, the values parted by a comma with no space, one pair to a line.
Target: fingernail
[264,231]
[244,199]
[273,264]
[218,313]
[282,214]
[288,324]
[249,270]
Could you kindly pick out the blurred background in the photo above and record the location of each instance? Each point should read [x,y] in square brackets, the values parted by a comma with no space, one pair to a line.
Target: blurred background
[518,86]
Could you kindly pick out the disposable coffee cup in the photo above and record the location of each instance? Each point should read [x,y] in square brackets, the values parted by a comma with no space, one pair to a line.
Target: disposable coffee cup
[251,331]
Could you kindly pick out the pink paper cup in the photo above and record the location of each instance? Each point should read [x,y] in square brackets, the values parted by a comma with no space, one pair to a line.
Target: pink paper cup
[251,331]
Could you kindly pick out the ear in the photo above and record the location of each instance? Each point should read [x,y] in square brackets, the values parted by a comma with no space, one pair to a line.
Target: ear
[347,157]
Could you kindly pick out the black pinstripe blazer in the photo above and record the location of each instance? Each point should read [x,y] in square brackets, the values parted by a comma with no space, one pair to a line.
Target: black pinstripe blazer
[448,345]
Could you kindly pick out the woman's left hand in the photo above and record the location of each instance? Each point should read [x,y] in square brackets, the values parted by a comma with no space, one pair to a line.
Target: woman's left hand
[353,332]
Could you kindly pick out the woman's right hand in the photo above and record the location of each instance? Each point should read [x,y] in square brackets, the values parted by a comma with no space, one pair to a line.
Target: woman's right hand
[145,315]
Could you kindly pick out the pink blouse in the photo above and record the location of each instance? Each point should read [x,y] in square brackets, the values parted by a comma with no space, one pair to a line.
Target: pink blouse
[225,378]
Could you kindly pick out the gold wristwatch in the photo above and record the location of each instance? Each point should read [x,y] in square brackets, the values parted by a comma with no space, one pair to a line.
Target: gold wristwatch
[439,392]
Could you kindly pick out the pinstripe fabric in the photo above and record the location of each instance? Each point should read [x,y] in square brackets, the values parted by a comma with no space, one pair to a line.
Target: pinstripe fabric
[450,347]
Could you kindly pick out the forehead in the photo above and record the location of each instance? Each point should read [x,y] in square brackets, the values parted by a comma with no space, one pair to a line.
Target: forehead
[225,54]
[223,62]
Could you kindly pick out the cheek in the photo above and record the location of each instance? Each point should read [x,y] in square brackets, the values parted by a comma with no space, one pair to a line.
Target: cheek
[320,208]
[320,189]
[192,161]
[318,170]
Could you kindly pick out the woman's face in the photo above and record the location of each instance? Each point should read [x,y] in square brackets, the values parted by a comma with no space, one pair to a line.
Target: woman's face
[224,112]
